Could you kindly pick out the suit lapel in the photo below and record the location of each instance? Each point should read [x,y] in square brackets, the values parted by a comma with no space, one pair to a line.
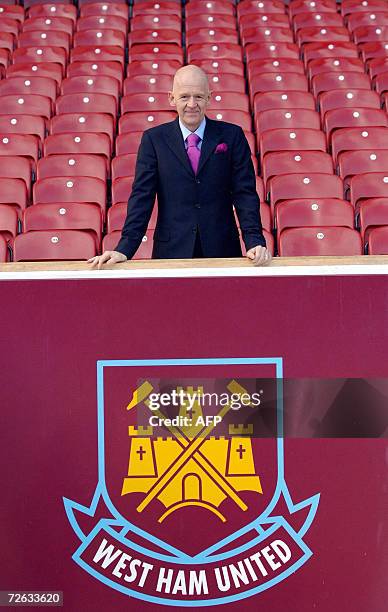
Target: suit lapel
[175,141]
[211,138]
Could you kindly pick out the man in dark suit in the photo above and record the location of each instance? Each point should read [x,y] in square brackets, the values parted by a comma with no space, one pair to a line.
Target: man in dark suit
[199,169]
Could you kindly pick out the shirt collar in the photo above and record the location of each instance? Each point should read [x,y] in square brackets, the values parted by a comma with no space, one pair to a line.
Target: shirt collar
[199,131]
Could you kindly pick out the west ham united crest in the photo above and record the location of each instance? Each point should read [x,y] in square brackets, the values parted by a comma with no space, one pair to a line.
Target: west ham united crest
[191,506]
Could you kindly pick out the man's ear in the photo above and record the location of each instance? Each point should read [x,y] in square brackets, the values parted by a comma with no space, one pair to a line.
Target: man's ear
[171,98]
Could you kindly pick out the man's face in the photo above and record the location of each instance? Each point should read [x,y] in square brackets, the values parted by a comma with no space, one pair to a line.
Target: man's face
[190,96]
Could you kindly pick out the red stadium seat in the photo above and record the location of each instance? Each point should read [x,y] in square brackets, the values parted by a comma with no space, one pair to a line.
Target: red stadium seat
[270,34]
[114,9]
[280,65]
[385,100]
[23,124]
[12,12]
[372,212]
[87,103]
[377,66]
[121,190]
[283,100]
[92,53]
[329,241]
[358,162]
[54,245]
[315,212]
[90,68]
[294,162]
[7,41]
[229,100]
[241,118]
[297,186]
[26,104]
[327,81]
[118,212]
[98,144]
[334,64]
[147,102]
[69,216]
[72,165]
[212,7]
[25,145]
[318,18]
[130,161]
[371,18]
[153,67]
[120,170]
[381,83]
[127,143]
[13,192]
[216,20]
[260,188]
[343,98]
[368,185]
[302,6]
[226,82]
[60,189]
[97,123]
[214,51]
[273,81]
[353,139]
[146,83]
[372,50]
[352,117]
[268,20]
[43,69]
[9,222]
[102,22]
[359,6]
[159,51]
[210,35]
[57,24]
[4,251]
[370,34]
[100,38]
[144,251]
[317,34]
[221,66]
[16,167]
[44,39]
[378,241]
[136,122]
[53,10]
[10,26]
[37,85]
[331,49]
[100,84]
[37,55]
[291,118]
[299,139]
[4,58]
[156,22]
[153,36]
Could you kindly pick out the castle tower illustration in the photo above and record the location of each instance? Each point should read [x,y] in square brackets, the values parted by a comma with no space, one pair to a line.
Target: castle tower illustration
[217,469]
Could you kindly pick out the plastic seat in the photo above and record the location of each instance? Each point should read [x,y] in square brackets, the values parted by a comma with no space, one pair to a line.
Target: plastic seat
[114,9]
[54,245]
[92,53]
[44,69]
[144,251]
[72,165]
[155,53]
[209,35]
[213,7]
[384,98]
[60,189]
[318,34]
[353,139]
[296,162]
[96,68]
[87,103]
[214,51]
[13,192]
[358,162]
[349,117]
[13,166]
[299,139]
[7,41]
[23,124]
[120,168]
[147,102]
[348,98]
[302,6]
[36,85]
[296,186]
[12,12]
[69,216]
[241,118]
[273,81]
[283,100]
[377,66]
[153,36]
[10,26]
[378,241]
[270,65]
[9,223]
[102,22]
[331,49]
[4,252]
[100,37]
[26,104]
[268,50]
[359,6]
[314,212]
[323,241]
[99,84]
[140,121]
[368,185]
[290,118]
[266,34]
[121,190]
[221,67]
[372,50]
[4,58]
[372,212]
[56,24]
[128,143]
[53,10]
[370,33]
[153,68]
[322,19]
[225,82]
[268,20]
[371,18]
[329,81]
[229,100]
[381,83]
[204,20]
[25,145]
[97,123]
[36,55]
[98,144]
[161,21]
[48,38]
[159,83]
[334,64]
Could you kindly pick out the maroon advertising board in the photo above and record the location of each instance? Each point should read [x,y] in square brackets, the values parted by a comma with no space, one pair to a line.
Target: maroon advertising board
[273,497]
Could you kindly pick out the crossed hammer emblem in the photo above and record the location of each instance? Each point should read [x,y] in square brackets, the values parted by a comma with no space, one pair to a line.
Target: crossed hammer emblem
[191,448]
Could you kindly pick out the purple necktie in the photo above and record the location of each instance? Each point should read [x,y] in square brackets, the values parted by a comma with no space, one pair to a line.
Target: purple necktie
[192,151]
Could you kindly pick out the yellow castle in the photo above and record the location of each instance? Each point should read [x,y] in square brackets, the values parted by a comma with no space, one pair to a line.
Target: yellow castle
[188,469]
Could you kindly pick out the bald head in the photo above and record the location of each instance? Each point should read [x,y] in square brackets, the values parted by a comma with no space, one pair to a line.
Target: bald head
[190,95]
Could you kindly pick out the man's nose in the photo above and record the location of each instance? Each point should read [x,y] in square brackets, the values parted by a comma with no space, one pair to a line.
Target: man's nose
[192,102]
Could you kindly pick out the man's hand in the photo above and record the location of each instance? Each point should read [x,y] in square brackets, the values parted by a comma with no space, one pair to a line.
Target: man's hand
[108,257]
[259,255]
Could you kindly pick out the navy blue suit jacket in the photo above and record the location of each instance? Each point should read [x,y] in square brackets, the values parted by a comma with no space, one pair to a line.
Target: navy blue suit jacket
[188,203]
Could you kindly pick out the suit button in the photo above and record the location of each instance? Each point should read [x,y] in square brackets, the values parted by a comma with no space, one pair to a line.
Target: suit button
[194,230]
[198,181]
[197,206]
